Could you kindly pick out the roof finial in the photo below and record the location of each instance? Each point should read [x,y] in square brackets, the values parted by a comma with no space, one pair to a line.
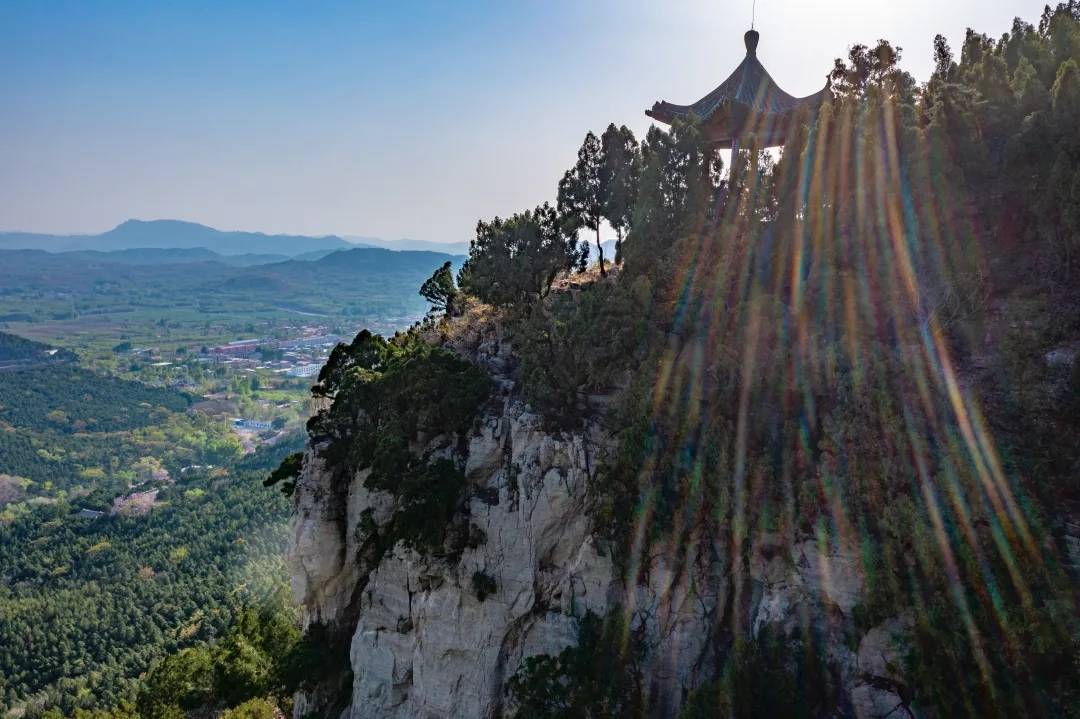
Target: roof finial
[751,40]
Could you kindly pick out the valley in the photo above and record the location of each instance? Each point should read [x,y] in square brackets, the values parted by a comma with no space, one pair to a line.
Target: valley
[144,396]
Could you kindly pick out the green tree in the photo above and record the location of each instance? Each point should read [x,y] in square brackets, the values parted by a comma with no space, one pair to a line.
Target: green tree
[768,676]
[679,179]
[439,289]
[289,469]
[943,58]
[243,670]
[620,168]
[184,680]
[1030,92]
[366,351]
[1066,91]
[597,679]
[252,709]
[581,192]
[868,68]
[514,261]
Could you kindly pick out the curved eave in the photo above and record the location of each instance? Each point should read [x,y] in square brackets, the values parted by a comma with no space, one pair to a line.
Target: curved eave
[821,96]
[748,91]
[666,112]
[734,119]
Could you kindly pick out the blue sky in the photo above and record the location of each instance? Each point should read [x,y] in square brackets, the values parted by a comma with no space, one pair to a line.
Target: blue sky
[388,119]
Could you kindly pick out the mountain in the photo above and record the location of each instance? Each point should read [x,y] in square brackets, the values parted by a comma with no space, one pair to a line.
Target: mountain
[241,248]
[341,282]
[179,256]
[134,234]
[386,260]
[315,254]
[450,248]
[176,233]
[609,251]
[367,282]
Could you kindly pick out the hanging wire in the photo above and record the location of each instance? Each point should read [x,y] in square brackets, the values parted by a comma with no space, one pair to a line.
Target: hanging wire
[753,14]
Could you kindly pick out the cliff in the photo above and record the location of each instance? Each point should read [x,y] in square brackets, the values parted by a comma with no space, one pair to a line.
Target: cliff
[425,642]
[807,448]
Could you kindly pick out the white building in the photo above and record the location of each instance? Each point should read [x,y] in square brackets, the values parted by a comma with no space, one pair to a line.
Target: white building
[303,370]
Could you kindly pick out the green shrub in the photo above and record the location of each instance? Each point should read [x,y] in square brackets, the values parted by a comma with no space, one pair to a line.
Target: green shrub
[289,470]
[252,709]
[387,394]
[580,343]
[769,676]
[483,585]
[320,654]
[598,678]
[261,655]
[513,262]
[427,499]
[184,680]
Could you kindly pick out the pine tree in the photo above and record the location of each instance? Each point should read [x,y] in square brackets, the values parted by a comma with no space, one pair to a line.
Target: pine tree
[439,289]
[514,261]
[581,199]
[620,168]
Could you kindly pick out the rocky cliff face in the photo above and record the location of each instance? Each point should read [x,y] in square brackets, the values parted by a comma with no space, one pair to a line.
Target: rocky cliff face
[426,643]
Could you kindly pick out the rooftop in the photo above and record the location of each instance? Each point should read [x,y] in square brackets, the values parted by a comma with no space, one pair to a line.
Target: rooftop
[749,100]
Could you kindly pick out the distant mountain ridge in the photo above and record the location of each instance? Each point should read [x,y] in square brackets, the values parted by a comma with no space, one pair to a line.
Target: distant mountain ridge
[170,234]
[182,235]
[361,282]
[182,255]
[405,244]
[27,263]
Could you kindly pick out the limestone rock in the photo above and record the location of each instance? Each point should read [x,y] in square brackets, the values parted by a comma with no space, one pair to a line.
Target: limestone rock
[879,688]
[321,578]
[423,644]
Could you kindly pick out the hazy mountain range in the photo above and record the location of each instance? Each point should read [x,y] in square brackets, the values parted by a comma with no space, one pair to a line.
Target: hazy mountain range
[242,248]
[362,282]
[180,241]
[450,248]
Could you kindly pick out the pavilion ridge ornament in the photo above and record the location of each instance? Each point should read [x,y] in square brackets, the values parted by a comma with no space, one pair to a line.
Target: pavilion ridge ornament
[748,102]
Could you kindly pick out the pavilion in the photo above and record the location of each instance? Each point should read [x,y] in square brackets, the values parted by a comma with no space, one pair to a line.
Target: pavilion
[748,102]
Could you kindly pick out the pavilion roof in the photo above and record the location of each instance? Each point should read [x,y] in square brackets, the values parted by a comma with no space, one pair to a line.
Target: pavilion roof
[749,86]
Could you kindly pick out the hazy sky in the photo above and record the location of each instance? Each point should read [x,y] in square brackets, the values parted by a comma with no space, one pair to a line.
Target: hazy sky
[389,119]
